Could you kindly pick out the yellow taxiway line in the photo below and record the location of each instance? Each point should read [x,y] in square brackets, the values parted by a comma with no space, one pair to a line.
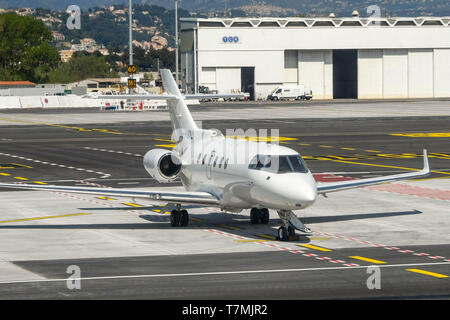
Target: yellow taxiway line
[133,205]
[262,235]
[428,273]
[314,247]
[367,259]
[42,218]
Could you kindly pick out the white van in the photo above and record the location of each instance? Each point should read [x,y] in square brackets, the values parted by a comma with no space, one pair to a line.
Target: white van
[299,92]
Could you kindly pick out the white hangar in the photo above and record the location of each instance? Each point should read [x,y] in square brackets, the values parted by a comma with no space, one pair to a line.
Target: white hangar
[336,57]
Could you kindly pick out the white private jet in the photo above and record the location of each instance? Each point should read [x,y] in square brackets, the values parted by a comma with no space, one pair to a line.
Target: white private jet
[226,173]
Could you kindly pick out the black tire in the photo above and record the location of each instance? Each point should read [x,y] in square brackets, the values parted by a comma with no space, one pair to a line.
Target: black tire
[283,234]
[184,219]
[291,231]
[265,216]
[175,217]
[255,216]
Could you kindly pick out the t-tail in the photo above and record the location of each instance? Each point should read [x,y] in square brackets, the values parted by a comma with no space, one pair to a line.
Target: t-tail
[179,113]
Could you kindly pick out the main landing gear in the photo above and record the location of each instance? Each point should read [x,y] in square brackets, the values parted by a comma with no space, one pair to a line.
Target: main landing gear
[259,216]
[179,218]
[290,222]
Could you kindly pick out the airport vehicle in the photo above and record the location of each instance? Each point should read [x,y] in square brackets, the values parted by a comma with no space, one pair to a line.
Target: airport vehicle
[299,92]
[228,173]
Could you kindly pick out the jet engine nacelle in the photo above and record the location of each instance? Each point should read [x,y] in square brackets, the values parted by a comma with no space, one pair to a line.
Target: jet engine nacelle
[163,165]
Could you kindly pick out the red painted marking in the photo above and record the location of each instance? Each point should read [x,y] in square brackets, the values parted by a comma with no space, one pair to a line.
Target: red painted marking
[351,265]
[337,261]
[310,255]
[422,192]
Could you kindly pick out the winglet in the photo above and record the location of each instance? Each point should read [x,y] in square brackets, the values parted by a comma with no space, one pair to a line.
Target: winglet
[426,165]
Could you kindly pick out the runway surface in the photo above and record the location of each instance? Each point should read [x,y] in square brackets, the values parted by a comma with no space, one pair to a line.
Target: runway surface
[126,249]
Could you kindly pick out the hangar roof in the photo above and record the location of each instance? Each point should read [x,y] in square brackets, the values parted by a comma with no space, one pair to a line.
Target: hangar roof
[314,22]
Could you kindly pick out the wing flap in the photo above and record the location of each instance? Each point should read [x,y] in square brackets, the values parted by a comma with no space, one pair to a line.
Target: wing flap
[346,185]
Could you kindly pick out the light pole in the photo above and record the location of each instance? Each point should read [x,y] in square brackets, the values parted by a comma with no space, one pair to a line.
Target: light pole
[176,41]
[130,90]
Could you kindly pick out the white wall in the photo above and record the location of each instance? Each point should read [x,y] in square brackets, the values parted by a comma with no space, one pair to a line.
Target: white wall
[420,73]
[370,74]
[324,38]
[208,77]
[441,73]
[315,70]
[395,73]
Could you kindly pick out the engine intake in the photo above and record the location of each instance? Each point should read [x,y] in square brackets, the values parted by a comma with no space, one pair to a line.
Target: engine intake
[163,165]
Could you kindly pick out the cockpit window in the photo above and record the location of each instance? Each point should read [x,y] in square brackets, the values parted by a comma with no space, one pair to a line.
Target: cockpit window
[279,164]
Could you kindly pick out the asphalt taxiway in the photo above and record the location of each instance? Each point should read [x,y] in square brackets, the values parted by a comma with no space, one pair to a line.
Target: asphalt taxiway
[126,249]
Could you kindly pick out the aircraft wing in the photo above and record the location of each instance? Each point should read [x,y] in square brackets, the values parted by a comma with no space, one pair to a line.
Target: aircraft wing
[345,185]
[187,197]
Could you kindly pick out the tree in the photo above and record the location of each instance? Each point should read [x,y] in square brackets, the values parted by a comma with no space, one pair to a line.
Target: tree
[82,66]
[25,50]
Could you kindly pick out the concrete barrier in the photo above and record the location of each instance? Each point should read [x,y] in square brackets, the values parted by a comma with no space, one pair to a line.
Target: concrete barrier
[73,101]
[10,103]
[31,102]
[50,102]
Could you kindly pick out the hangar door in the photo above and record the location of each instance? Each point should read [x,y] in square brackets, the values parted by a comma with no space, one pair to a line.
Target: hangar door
[228,80]
[345,74]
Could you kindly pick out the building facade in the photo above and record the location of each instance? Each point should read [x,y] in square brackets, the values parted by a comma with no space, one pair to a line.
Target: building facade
[356,57]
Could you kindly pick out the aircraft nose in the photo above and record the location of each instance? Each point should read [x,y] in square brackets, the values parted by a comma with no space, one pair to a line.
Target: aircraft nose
[302,193]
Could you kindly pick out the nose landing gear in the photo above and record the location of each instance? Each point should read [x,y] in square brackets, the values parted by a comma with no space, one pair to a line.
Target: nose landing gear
[290,222]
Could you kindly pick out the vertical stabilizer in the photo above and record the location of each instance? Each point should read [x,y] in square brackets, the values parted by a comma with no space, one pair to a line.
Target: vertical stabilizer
[179,113]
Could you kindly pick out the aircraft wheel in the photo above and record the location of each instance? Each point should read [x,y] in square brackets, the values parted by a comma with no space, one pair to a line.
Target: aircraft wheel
[175,217]
[184,219]
[291,231]
[283,234]
[265,216]
[255,216]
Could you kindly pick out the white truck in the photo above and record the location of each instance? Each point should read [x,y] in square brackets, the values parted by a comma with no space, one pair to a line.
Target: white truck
[299,92]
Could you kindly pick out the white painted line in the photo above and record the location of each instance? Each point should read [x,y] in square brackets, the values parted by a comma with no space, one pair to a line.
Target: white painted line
[168,275]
